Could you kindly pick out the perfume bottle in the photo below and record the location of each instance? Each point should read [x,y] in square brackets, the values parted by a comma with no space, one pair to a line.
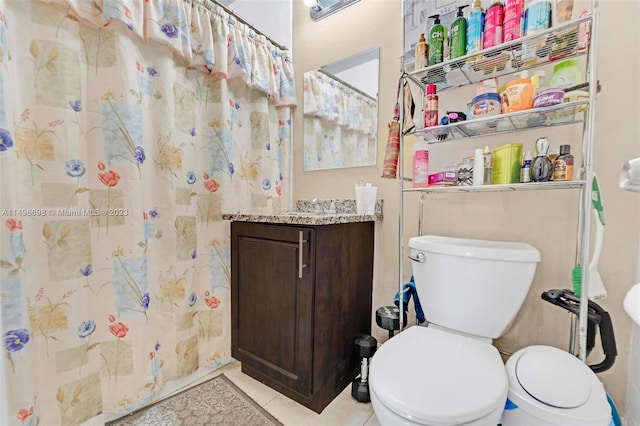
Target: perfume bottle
[541,169]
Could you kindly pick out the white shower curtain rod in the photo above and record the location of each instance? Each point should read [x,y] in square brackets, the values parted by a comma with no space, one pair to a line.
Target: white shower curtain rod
[209,3]
[350,86]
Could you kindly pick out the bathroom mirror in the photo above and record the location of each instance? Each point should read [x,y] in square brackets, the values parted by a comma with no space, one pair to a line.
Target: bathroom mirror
[341,113]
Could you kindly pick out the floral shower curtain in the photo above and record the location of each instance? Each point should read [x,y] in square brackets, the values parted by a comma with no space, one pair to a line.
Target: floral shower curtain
[340,124]
[126,128]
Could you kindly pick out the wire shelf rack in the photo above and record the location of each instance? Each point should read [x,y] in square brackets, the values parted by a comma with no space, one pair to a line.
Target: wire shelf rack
[555,115]
[508,58]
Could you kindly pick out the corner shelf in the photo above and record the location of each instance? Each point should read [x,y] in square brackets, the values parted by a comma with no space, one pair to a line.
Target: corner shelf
[556,115]
[524,53]
[531,186]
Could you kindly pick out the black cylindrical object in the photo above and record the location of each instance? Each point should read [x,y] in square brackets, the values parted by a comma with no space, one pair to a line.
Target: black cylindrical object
[366,346]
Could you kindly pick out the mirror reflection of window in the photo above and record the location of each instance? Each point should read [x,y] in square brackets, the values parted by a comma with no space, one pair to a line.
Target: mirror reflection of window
[341,113]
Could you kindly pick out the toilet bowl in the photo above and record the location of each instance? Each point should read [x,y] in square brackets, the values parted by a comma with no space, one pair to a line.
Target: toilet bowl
[550,387]
[431,377]
[449,373]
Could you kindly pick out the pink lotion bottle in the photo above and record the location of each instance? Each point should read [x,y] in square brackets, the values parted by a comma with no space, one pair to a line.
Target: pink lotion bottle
[512,27]
[420,164]
[493,24]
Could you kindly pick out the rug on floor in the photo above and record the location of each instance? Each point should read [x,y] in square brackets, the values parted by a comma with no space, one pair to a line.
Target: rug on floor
[215,402]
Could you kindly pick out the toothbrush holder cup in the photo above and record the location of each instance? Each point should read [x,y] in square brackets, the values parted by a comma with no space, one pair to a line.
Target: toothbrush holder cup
[366,199]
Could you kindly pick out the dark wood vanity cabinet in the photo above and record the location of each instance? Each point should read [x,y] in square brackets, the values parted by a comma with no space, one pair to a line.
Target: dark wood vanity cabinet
[300,294]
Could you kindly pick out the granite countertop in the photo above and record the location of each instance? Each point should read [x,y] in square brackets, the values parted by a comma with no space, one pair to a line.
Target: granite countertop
[308,213]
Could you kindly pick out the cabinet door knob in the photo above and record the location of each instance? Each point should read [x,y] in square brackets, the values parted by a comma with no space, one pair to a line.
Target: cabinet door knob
[301,241]
[420,258]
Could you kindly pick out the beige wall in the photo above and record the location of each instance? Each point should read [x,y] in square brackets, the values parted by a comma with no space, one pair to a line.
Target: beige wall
[545,219]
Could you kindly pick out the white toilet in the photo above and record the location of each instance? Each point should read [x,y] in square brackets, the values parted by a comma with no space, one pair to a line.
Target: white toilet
[449,373]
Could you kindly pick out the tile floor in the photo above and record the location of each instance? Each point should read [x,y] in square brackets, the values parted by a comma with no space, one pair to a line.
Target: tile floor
[343,411]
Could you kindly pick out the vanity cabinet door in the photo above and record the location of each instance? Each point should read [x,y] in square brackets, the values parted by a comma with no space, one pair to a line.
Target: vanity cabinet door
[272,302]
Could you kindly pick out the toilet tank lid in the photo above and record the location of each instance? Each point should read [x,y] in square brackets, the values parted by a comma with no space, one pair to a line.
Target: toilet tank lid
[479,249]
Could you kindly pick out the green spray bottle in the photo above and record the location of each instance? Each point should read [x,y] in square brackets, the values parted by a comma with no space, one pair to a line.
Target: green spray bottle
[458,34]
[436,41]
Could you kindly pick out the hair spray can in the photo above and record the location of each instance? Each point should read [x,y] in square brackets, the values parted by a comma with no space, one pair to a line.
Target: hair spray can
[512,27]
[493,25]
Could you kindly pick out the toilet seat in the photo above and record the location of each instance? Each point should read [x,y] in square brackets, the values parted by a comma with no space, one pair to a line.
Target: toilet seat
[556,387]
[538,370]
[433,377]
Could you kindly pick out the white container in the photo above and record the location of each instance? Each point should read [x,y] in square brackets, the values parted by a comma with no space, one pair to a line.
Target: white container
[548,386]
[366,199]
[478,167]
[461,281]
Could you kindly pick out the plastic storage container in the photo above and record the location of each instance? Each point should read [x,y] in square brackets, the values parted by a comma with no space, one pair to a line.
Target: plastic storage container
[548,97]
[506,163]
[485,105]
[566,74]
[517,95]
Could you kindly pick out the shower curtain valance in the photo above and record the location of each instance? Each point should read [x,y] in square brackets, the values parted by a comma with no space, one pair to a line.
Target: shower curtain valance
[203,34]
[333,101]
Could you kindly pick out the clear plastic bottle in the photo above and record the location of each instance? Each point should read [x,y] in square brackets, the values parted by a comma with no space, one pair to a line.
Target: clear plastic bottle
[539,81]
[421,53]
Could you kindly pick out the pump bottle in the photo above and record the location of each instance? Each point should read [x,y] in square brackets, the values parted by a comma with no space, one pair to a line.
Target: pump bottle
[475,28]
[458,35]
[436,41]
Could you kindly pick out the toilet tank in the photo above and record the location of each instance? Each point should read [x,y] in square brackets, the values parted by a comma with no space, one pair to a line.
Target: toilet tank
[472,286]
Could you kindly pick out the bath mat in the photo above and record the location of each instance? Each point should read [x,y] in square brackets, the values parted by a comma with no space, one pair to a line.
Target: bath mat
[215,402]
